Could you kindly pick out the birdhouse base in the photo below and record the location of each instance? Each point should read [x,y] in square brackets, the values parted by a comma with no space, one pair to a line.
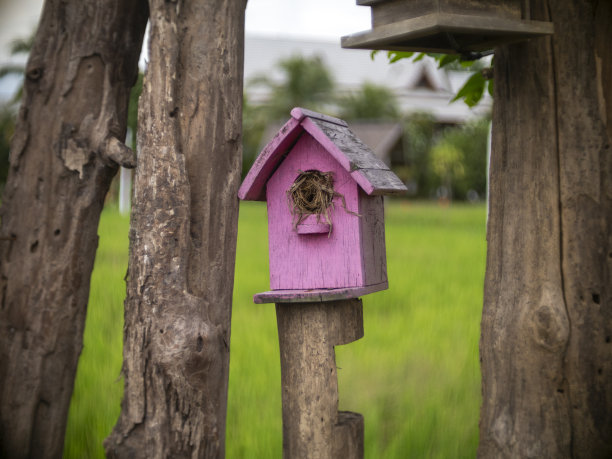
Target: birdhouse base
[317,295]
[447,33]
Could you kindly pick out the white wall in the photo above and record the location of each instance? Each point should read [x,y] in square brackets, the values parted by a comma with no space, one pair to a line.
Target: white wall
[18,19]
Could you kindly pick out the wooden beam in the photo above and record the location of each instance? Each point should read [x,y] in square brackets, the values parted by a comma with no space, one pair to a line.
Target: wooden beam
[430,33]
[312,425]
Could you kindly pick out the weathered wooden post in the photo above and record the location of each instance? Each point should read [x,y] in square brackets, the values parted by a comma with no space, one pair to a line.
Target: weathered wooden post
[323,189]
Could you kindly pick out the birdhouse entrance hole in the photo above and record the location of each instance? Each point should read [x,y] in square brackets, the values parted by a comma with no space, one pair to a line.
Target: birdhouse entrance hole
[311,201]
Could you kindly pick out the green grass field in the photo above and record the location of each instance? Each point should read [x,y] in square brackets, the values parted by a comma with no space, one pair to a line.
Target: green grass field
[414,376]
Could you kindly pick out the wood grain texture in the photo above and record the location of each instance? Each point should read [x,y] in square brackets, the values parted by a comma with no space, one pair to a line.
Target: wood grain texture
[312,426]
[429,33]
[545,346]
[581,60]
[313,224]
[317,294]
[378,182]
[386,12]
[64,154]
[253,187]
[372,239]
[359,155]
[183,234]
[303,261]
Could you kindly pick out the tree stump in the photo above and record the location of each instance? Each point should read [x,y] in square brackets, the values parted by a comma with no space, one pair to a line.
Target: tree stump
[312,425]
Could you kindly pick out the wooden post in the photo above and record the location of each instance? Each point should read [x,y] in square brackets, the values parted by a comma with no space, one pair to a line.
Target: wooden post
[312,425]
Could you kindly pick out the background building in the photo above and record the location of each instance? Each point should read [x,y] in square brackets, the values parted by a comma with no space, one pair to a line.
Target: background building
[418,86]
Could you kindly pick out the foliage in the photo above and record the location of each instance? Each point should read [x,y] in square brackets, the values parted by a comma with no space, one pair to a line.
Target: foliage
[370,102]
[447,163]
[414,376]
[254,122]
[18,46]
[23,44]
[471,141]
[473,89]
[8,110]
[98,385]
[420,132]
[304,82]
[451,156]
[299,87]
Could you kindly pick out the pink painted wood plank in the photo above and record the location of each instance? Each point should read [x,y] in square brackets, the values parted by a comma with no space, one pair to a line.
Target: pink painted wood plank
[316,295]
[371,174]
[253,187]
[362,182]
[327,143]
[307,261]
[358,153]
[313,225]
[381,182]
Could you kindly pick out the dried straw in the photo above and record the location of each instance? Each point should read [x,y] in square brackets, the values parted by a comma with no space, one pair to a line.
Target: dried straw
[313,193]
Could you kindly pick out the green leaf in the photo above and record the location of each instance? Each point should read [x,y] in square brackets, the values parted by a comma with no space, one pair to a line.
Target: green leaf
[447,59]
[472,90]
[490,87]
[373,54]
[11,69]
[395,56]
[23,45]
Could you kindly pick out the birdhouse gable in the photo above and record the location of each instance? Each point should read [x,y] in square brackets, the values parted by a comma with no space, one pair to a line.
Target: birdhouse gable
[333,134]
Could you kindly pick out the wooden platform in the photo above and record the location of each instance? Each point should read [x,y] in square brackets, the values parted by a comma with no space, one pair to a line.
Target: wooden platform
[316,295]
[447,33]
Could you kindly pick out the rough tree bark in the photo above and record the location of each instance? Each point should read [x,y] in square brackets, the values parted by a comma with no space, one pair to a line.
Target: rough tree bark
[183,234]
[546,345]
[63,156]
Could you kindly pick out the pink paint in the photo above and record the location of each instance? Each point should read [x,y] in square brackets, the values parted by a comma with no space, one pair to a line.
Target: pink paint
[313,261]
[363,182]
[326,142]
[313,224]
[309,262]
[254,186]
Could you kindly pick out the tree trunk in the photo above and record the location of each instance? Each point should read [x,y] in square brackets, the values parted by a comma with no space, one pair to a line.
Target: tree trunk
[63,156]
[183,236]
[546,345]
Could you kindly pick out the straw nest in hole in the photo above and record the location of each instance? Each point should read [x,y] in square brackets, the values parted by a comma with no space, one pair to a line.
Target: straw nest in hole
[313,193]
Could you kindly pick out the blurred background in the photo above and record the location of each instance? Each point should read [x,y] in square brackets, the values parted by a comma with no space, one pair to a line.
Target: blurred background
[402,110]
[414,376]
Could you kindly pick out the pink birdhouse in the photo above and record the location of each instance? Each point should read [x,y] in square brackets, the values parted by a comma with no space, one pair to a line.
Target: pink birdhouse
[323,189]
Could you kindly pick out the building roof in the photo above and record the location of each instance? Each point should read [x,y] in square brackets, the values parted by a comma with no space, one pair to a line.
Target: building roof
[369,172]
[380,136]
[418,86]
